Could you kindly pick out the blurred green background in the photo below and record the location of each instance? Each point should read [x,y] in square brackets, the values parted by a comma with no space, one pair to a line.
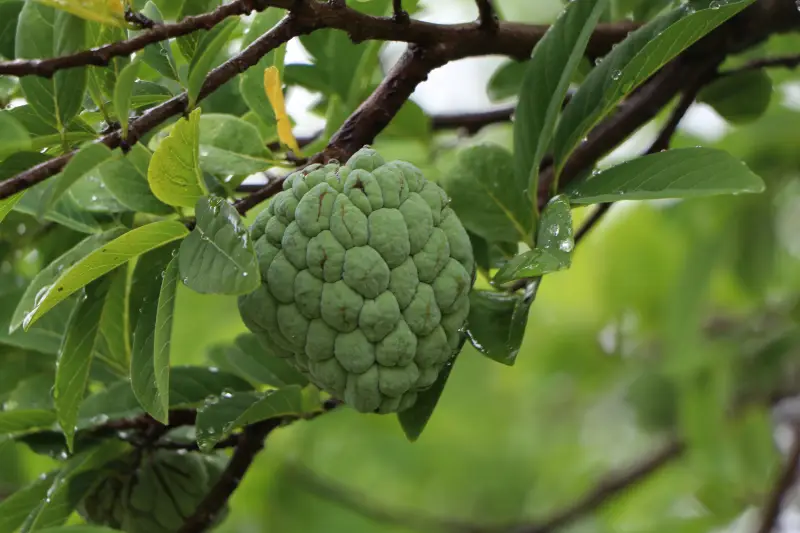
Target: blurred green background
[670,314]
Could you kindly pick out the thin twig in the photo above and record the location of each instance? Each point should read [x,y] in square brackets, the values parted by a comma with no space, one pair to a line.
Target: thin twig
[487,14]
[784,483]
[102,55]
[399,14]
[790,62]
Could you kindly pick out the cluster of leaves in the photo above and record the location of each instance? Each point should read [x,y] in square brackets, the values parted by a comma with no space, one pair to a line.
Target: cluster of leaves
[92,258]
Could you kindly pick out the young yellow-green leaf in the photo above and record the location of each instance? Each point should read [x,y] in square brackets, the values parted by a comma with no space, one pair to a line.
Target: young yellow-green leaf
[218,256]
[110,12]
[232,410]
[7,204]
[48,275]
[229,146]
[174,172]
[497,321]
[123,90]
[13,135]
[151,341]
[274,90]
[87,159]
[545,84]
[482,189]
[680,173]
[103,260]
[208,50]
[126,179]
[741,97]
[414,419]
[75,357]
[631,63]
[45,32]
[554,244]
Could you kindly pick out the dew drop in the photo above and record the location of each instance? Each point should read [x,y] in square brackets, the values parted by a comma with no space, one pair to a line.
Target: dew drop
[566,245]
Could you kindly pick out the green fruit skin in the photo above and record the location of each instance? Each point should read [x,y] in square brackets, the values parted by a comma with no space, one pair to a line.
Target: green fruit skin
[366,277]
[155,495]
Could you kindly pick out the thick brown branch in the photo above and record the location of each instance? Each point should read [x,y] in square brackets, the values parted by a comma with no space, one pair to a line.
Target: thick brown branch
[784,483]
[102,55]
[155,116]
[487,14]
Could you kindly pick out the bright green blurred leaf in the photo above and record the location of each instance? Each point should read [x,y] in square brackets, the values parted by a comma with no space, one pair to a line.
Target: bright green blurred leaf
[229,146]
[254,361]
[740,98]
[15,508]
[123,90]
[24,420]
[507,80]
[13,135]
[110,12]
[218,256]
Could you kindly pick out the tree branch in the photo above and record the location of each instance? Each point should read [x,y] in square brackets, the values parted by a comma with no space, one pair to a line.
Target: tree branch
[783,485]
[472,123]
[790,62]
[487,15]
[102,55]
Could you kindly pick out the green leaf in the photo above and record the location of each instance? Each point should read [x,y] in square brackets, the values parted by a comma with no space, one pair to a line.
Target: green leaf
[54,270]
[741,97]
[256,362]
[113,344]
[79,529]
[151,342]
[71,484]
[680,173]
[218,256]
[9,14]
[630,64]
[75,357]
[15,508]
[188,387]
[86,160]
[174,172]
[497,321]
[24,420]
[544,87]
[126,180]
[220,416]
[13,135]
[414,419]
[209,48]
[45,32]
[159,55]
[484,195]
[554,244]
[104,260]
[188,44]
[44,337]
[230,146]
[123,90]
[7,204]
[507,80]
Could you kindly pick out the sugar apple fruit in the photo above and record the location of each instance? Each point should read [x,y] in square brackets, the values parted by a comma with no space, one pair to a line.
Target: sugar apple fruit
[154,493]
[366,277]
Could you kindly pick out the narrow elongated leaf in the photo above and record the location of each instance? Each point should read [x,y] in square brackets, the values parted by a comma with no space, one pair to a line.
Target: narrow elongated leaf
[274,90]
[545,84]
[631,63]
[159,55]
[251,83]
[113,344]
[86,160]
[497,321]
[15,508]
[7,204]
[554,244]
[230,411]
[414,419]
[188,387]
[109,12]
[230,146]
[218,256]
[126,179]
[104,260]
[123,90]
[13,135]
[9,13]
[46,32]
[483,193]
[174,172]
[53,271]
[680,173]
[151,340]
[208,50]
[255,362]
[75,357]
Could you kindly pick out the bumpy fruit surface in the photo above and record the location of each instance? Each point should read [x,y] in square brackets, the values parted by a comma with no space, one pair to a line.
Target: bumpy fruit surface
[366,277]
[155,493]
